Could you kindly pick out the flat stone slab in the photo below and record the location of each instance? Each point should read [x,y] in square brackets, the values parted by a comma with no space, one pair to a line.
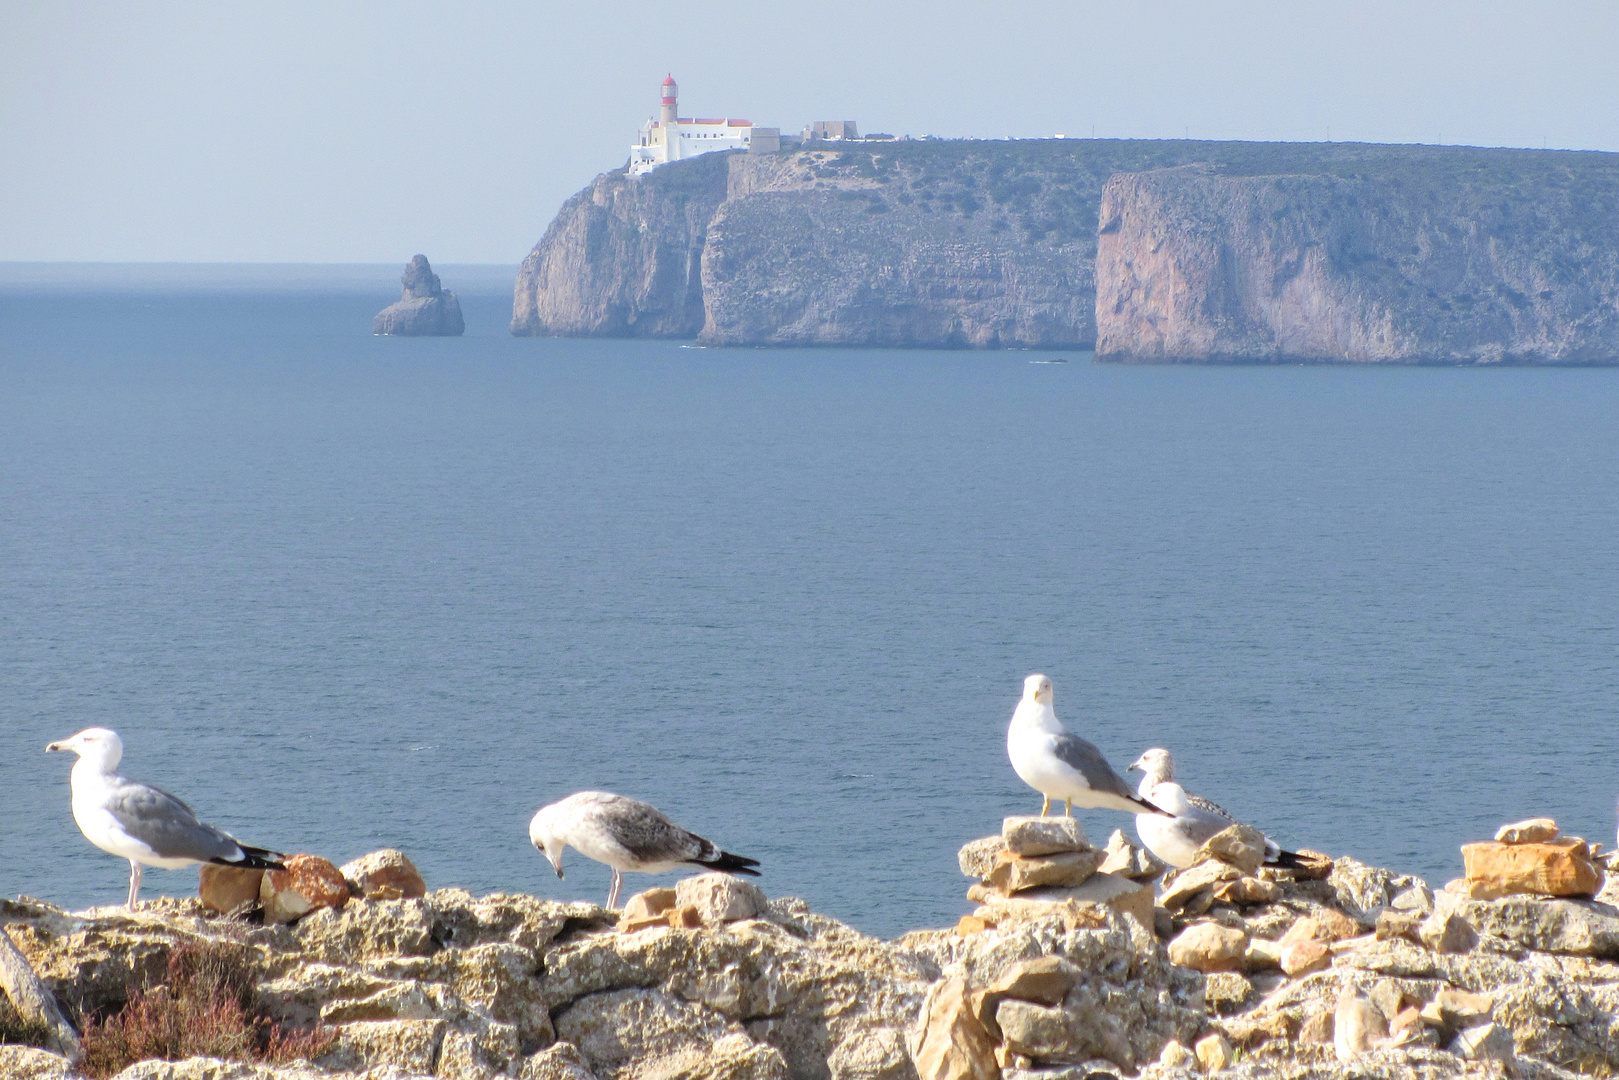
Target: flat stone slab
[1043,835]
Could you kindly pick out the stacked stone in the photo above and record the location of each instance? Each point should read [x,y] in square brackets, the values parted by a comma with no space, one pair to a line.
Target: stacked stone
[1038,862]
[1529,858]
[694,902]
[308,884]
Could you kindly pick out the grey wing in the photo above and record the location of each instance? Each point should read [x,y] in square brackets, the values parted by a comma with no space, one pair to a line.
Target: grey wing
[1210,808]
[1089,762]
[645,833]
[167,825]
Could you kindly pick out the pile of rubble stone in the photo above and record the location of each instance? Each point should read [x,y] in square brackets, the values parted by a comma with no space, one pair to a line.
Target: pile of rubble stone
[1070,963]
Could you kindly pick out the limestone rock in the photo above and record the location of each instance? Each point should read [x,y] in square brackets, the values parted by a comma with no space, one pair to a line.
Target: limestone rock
[720,898]
[1064,870]
[31,1063]
[623,1026]
[1044,980]
[1209,947]
[1121,894]
[559,1061]
[1548,869]
[411,1045]
[1043,835]
[875,1054]
[384,875]
[1575,927]
[1203,878]
[424,309]
[1248,890]
[1317,1028]
[977,857]
[1540,830]
[228,889]
[309,882]
[1447,932]
[1224,991]
[1175,1055]
[950,1042]
[1214,1053]
[1487,1042]
[646,909]
[1242,846]
[1403,924]
[1128,860]
[735,1057]
[1357,1026]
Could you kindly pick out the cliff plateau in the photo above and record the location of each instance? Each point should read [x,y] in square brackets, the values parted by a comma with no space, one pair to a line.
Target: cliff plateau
[1407,253]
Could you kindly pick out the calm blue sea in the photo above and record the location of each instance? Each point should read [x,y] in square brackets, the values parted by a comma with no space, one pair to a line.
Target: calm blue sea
[341,592]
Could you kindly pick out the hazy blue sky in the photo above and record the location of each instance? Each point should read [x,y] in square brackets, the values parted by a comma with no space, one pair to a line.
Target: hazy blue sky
[332,132]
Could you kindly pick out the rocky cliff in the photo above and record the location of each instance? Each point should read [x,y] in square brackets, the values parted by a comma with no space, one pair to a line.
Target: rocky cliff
[1460,265]
[1072,965]
[995,244]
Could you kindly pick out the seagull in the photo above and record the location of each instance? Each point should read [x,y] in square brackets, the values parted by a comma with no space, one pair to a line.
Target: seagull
[1176,840]
[625,834]
[1063,766]
[141,823]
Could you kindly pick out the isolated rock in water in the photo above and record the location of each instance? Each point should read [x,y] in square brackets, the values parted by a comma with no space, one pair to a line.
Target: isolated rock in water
[425,309]
[228,888]
[385,875]
[309,882]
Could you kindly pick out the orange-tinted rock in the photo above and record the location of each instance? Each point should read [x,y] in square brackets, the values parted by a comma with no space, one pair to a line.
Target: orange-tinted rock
[228,888]
[1540,830]
[308,882]
[685,917]
[951,1043]
[1063,870]
[385,875]
[1558,868]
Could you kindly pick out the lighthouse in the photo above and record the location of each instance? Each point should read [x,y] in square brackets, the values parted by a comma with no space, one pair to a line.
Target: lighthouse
[670,138]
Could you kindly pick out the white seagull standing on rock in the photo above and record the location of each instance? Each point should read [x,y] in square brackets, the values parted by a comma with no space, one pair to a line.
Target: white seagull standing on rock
[1063,766]
[1176,839]
[141,823]
[625,834]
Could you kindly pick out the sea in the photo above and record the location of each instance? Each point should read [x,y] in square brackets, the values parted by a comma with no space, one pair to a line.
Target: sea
[341,592]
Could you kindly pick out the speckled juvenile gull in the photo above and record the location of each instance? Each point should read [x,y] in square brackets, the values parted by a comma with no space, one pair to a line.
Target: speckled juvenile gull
[625,834]
[1059,765]
[1177,839]
[141,823]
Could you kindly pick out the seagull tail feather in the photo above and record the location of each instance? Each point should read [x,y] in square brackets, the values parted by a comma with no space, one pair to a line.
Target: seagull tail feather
[1288,860]
[730,864]
[255,858]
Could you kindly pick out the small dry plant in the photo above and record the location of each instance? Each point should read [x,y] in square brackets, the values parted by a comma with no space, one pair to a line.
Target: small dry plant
[203,1008]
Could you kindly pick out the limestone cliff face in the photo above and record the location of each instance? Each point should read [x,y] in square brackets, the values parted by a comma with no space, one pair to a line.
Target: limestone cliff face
[622,258]
[1196,265]
[1266,251]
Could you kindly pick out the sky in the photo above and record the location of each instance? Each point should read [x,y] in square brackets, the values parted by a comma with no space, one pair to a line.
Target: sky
[366,132]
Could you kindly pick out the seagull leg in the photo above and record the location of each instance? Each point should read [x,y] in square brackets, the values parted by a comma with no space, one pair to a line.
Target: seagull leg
[1045,807]
[135,872]
[612,895]
[1068,811]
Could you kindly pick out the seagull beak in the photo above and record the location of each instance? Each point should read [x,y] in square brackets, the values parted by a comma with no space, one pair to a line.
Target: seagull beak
[559,873]
[56,746]
[1136,766]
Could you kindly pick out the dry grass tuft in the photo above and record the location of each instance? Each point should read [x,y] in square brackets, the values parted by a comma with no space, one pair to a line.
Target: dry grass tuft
[203,1008]
[15,1028]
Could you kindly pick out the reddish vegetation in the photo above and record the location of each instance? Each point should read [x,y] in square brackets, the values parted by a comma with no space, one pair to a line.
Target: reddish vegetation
[204,1007]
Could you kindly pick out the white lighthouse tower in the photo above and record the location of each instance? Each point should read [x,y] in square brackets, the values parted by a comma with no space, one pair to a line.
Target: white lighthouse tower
[672,137]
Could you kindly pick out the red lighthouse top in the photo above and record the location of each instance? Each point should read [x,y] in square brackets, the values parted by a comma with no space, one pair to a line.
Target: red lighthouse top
[668,89]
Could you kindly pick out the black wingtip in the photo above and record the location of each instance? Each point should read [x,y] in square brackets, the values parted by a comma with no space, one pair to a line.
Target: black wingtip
[1289,860]
[255,858]
[733,864]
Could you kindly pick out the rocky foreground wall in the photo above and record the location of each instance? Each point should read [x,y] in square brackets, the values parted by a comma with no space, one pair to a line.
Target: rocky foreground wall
[1071,965]
[1272,251]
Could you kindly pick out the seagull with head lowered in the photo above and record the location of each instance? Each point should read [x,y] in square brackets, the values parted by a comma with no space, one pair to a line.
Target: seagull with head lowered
[141,823]
[625,834]
[1176,839]
[1063,766]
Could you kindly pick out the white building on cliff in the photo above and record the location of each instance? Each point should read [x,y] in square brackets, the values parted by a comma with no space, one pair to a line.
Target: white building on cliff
[672,137]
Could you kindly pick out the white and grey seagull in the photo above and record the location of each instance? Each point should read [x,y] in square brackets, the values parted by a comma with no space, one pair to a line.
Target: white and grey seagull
[1176,839]
[141,823]
[625,834]
[1060,765]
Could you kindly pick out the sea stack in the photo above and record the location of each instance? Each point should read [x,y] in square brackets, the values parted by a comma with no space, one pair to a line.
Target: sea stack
[424,310]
